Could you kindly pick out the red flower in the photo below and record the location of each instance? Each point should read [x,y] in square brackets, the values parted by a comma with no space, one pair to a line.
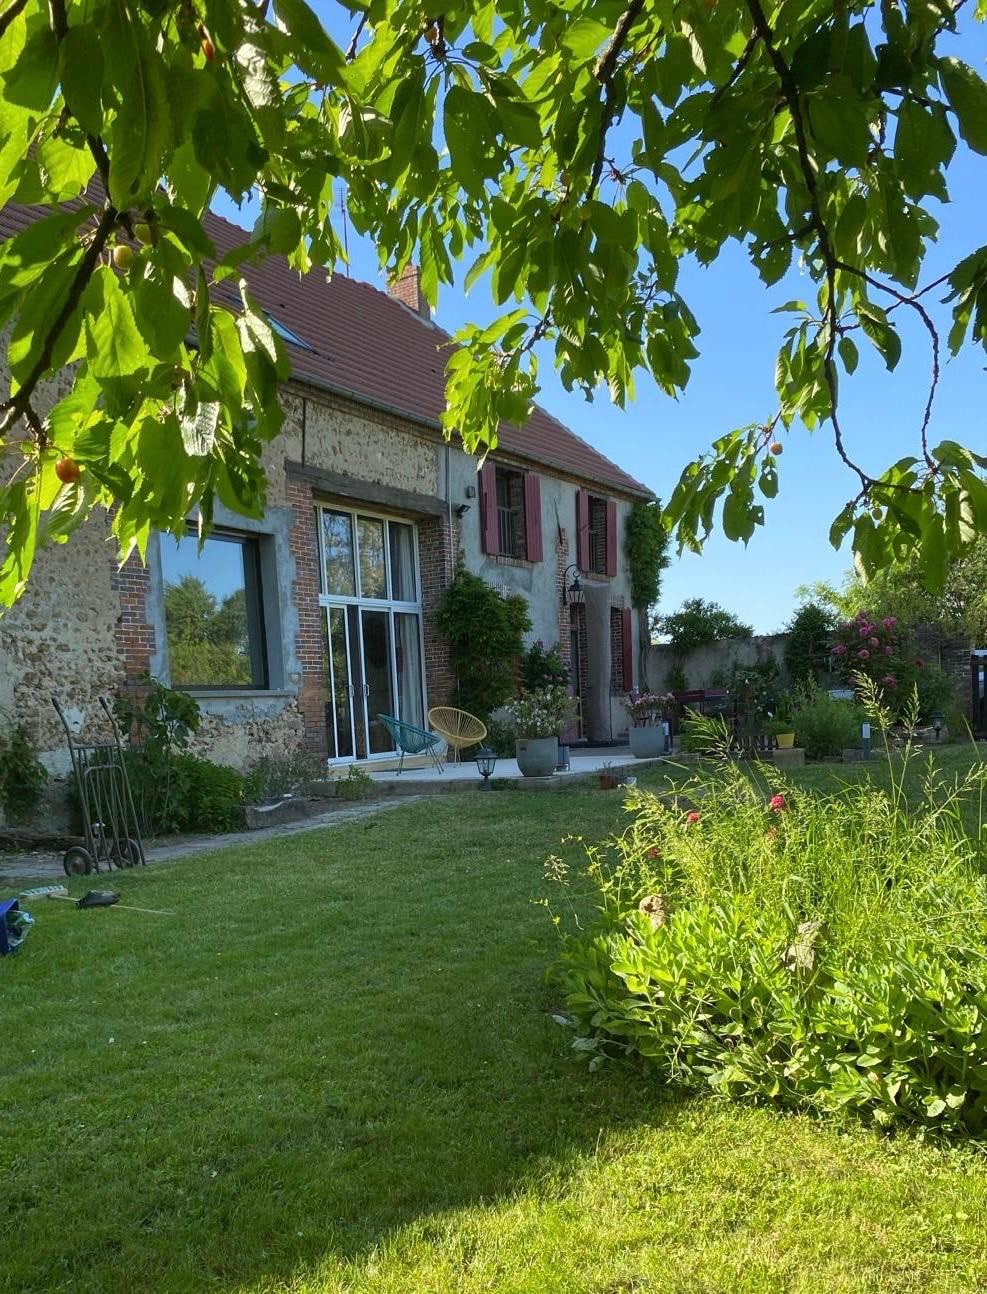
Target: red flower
[654,852]
[777,804]
[890,681]
[866,631]
[692,817]
[864,654]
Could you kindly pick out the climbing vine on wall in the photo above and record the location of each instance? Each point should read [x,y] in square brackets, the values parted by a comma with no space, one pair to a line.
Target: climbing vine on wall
[485,631]
[645,543]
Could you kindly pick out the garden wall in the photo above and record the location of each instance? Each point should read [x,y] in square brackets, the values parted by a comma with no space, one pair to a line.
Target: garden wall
[711,666]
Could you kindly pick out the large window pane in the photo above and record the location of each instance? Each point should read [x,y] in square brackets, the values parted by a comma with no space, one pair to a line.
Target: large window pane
[213,612]
[409,668]
[402,544]
[337,540]
[370,545]
[337,663]
[377,666]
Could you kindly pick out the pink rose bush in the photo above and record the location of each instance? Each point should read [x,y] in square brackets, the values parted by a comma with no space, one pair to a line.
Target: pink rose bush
[872,646]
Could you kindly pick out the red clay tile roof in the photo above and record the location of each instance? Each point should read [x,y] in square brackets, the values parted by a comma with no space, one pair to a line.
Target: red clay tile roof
[361,343]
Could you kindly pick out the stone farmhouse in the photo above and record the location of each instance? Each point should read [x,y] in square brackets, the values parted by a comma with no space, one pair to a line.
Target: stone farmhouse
[322,614]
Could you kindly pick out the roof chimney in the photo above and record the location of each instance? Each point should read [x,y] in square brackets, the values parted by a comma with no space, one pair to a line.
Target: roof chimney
[408,290]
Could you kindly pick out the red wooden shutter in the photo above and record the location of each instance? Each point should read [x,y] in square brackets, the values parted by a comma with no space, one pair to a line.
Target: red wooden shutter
[532,517]
[488,509]
[627,641]
[582,530]
[611,537]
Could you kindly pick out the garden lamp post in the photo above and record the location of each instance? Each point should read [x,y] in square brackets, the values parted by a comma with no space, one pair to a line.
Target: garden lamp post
[938,718]
[485,762]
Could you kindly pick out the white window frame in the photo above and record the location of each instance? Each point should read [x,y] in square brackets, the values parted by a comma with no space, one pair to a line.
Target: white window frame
[390,605]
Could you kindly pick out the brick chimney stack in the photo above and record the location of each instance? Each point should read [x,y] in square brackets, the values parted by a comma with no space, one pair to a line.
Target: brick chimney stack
[408,290]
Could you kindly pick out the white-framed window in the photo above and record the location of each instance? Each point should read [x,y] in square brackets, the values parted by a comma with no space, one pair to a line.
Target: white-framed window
[373,647]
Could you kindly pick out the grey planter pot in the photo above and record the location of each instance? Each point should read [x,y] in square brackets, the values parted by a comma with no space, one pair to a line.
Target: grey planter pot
[647,742]
[537,756]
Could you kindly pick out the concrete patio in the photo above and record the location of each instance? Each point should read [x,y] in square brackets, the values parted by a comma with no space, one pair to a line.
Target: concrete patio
[587,764]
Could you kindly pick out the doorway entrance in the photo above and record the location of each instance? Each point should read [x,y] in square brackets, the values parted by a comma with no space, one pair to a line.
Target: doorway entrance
[372,636]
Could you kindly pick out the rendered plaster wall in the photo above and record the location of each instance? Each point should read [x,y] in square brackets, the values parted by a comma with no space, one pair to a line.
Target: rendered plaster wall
[709,666]
[539,584]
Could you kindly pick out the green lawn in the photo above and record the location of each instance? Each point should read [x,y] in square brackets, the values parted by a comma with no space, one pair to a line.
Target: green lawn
[336,1070]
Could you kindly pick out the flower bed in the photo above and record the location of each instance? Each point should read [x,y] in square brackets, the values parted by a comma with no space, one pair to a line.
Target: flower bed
[819,951]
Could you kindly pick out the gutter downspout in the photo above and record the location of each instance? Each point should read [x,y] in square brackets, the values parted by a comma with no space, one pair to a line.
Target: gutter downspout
[448,478]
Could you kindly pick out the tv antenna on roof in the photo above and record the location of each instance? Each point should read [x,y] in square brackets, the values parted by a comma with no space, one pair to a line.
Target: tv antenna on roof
[346,234]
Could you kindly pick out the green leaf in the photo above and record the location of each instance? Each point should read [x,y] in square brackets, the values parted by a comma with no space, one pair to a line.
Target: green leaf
[849,354]
[199,430]
[311,44]
[520,122]
[67,166]
[81,70]
[839,124]
[160,316]
[923,143]
[967,95]
[114,348]
[41,308]
[139,132]
[874,323]
[25,258]
[277,228]
[585,36]
[934,553]
[32,80]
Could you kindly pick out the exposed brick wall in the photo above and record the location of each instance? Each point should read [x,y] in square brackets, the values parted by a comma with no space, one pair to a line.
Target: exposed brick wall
[617,682]
[952,655]
[135,636]
[436,555]
[565,620]
[304,543]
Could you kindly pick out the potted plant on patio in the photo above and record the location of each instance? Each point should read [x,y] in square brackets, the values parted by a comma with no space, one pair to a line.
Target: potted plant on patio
[539,716]
[647,712]
[782,726]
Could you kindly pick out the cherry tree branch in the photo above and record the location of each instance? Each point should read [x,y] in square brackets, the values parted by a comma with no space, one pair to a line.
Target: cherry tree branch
[9,15]
[19,406]
[604,70]
[833,265]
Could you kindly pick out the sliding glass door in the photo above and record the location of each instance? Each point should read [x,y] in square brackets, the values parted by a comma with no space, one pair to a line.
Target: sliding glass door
[373,630]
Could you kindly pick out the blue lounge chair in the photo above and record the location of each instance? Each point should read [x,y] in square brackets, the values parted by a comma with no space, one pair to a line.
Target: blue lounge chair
[411,740]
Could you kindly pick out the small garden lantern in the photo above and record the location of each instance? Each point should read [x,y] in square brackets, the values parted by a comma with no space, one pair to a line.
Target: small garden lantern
[938,719]
[485,762]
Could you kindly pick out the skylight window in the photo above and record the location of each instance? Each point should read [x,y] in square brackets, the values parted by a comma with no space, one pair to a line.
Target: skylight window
[287,335]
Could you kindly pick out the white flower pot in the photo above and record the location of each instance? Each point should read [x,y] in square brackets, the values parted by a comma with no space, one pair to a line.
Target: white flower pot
[537,756]
[647,742]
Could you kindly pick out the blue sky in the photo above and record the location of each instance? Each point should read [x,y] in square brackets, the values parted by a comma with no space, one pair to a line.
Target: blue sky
[732,384]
